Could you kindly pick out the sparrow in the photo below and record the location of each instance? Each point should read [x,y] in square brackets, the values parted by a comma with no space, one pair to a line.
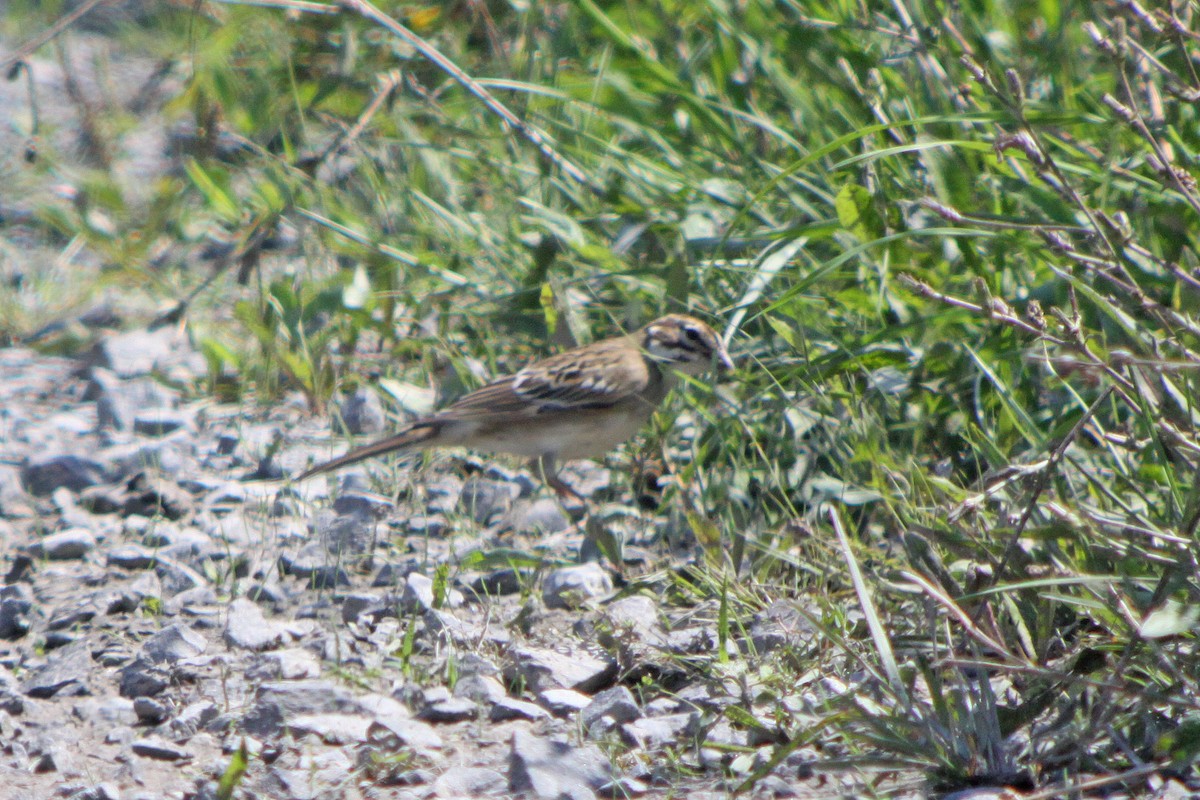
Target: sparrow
[580,403]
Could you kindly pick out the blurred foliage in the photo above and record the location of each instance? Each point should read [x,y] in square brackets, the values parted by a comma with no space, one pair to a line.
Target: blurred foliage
[955,244]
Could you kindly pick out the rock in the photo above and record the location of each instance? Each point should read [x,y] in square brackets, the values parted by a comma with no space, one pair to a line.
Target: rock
[154,497]
[482,689]
[507,708]
[355,604]
[141,352]
[481,499]
[65,672]
[193,718]
[173,643]
[64,545]
[543,669]
[654,733]
[276,704]
[637,615]
[289,665]
[334,729]
[776,625]
[42,475]
[500,582]
[563,702]
[119,401]
[539,517]
[365,505]
[442,494]
[11,701]
[572,587]
[143,678]
[131,556]
[246,627]
[462,782]
[14,612]
[84,611]
[394,732]
[161,421]
[616,705]
[361,413]
[552,769]
[150,711]
[450,709]
[159,749]
[418,595]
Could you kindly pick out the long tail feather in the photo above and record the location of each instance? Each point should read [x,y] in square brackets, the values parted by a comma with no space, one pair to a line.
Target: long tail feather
[412,437]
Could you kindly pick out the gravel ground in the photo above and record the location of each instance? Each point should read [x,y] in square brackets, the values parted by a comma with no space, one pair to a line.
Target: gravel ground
[165,605]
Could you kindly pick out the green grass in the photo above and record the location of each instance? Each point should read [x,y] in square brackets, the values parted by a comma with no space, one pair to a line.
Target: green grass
[963,284]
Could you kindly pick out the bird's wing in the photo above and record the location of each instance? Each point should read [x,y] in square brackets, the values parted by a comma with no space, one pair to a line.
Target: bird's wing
[591,377]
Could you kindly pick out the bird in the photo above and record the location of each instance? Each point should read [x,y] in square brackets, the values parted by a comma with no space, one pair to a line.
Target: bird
[580,403]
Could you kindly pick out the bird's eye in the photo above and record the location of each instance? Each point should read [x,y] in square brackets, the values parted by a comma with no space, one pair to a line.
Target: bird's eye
[692,334]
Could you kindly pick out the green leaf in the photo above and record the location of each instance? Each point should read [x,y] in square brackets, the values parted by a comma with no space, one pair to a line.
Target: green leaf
[857,213]
[233,773]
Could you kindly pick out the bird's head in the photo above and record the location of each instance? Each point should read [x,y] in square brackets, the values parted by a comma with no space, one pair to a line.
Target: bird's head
[685,343]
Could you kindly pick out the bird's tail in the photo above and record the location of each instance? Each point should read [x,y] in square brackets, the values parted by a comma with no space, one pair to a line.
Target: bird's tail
[412,437]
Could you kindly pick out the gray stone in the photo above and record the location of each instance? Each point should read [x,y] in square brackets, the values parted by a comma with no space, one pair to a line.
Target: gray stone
[173,643]
[417,595]
[462,782]
[637,615]
[361,412]
[394,732]
[432,525]
[65,672]
[78,614]
[118,401]
[246,627]
[14,617]
[572,587]
[452,709]
[143,678]
[617,704]
[507,708]
[365,505]
[483,689]
[290,664]
[481,499]
[500,582]
[140,352]
[161,421]
[777,625]
[334,729]
[131,556]
[42,475]
[655,733]
[355,604]
[198,601]
[563,702]
[553,770]
[11,701]
[275,704]
[64,545]
[442,494]
[101,791]
[149,710]
[543,669]
[159,749]
[540,516]
[192,719]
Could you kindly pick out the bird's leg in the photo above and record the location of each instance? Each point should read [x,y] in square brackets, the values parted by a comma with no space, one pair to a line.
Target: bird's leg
[544,465]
